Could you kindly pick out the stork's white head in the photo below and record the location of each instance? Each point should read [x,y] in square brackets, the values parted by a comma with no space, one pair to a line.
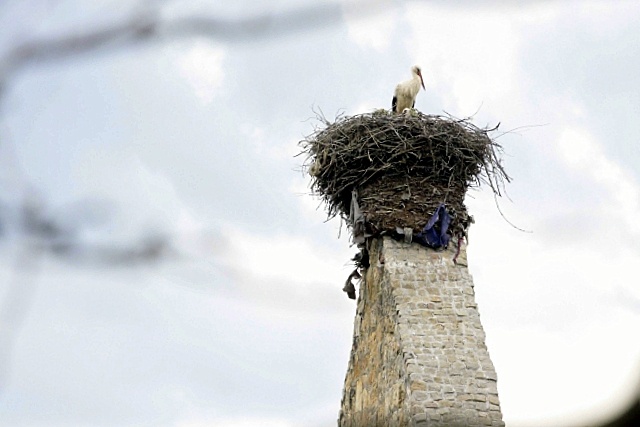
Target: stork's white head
[418,72]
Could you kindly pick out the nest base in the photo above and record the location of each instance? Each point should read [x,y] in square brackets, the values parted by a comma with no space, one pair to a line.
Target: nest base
[409,203]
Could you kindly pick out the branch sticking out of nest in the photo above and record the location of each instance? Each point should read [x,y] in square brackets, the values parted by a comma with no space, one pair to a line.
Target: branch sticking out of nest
[403,166]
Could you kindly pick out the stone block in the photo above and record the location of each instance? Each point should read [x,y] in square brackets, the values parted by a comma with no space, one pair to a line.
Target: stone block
[419,396]
[417,386]
[419,417]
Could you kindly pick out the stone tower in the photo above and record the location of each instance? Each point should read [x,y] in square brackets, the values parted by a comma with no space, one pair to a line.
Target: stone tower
[419,356]
[399,180]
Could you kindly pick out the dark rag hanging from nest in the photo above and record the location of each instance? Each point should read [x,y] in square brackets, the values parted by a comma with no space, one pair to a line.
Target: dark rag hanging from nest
[434,234]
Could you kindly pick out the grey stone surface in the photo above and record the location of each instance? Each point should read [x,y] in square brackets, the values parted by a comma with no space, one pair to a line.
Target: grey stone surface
[419,355]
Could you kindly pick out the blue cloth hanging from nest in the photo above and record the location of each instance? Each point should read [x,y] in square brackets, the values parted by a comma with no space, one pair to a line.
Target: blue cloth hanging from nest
[434,234]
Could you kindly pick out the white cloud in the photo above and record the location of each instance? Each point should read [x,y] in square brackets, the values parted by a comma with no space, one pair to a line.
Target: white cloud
[581,152]
[374,31]
[285,274]
[600,17]
[200,64]
[282,257]
[471,58]
[365,107]
[310,205]
[265,148]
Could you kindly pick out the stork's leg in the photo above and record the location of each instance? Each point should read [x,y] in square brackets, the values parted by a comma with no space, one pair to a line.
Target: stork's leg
[394,104]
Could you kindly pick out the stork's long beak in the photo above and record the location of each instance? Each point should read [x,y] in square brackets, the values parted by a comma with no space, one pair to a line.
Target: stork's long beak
[422,81]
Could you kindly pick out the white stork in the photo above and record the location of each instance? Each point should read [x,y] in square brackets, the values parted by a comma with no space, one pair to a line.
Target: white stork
[406,92]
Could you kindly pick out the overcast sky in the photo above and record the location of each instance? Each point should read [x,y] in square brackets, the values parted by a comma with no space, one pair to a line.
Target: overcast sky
[201,286]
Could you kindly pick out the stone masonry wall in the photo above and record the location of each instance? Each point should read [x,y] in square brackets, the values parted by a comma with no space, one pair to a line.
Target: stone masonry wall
[419,356]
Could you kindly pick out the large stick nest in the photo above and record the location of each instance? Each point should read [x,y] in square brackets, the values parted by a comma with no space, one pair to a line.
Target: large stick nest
[402,166]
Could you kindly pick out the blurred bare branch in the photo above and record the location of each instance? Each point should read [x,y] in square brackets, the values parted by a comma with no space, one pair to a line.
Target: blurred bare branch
[62,234]
[21,289]
[41,233]
[148,25]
